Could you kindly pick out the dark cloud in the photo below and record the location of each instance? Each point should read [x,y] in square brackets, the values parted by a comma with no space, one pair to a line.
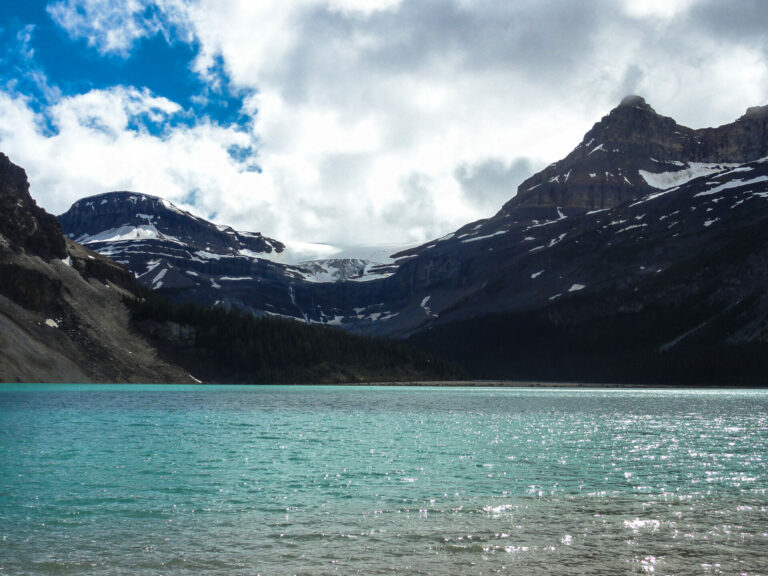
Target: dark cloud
[519,34]
[745,21]
[416,211]
[489,184]
[545,41]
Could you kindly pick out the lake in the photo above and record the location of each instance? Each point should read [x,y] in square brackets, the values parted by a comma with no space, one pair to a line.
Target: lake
[150,480]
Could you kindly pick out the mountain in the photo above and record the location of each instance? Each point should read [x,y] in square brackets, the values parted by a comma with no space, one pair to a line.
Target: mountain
[191,259]
[61,313]
[131,222]
[152,237]
[631,154]
[640,256]
[670,287]
[68,314]
[620,159]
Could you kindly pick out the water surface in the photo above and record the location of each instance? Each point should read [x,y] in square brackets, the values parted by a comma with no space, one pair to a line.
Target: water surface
[352,480]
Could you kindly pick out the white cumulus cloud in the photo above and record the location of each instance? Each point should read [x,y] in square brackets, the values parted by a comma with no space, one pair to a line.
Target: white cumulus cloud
[377,121]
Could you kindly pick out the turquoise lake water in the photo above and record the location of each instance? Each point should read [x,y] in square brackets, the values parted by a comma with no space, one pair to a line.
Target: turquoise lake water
[153,480]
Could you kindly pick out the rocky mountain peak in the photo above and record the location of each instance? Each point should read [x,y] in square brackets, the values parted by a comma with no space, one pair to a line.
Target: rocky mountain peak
[22,222]
[755,113]
[621,156]
[94,214]
[633,121]
[633,100]
[632,108]
[603,171]
[117,216]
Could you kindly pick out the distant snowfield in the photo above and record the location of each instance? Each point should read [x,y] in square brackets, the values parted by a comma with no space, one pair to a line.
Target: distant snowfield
[300,252]
[294,253]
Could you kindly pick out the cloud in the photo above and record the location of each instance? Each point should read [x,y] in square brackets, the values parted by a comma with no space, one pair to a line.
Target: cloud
[99,142]
[492,182]
[375,121]
[663,10]
[416,209]
[115,27]
[743,23]
[110,111]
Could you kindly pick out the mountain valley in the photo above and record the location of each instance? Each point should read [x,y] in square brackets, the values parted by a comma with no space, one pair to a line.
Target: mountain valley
[641,256]
[69,314]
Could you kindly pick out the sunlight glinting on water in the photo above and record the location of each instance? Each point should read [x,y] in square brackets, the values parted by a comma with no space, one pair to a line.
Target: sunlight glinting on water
[304,480]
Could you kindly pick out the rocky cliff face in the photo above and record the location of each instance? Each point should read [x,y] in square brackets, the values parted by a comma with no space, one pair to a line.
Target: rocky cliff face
[61,313]
[23,224]
[618,157]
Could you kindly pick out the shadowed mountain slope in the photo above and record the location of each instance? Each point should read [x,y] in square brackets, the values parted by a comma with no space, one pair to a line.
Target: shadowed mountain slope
[61,313]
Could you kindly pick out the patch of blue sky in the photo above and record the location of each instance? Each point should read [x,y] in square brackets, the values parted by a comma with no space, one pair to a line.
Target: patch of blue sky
[40,61]
[221,97]
[245,155]
[191,197]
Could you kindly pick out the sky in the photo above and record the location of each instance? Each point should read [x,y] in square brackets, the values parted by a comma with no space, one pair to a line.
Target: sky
[352,122]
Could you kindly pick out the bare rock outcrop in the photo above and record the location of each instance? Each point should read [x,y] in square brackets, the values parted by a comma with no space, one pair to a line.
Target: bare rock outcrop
[62,317]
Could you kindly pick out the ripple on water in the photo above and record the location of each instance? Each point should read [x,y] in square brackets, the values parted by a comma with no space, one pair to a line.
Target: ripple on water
[383,481]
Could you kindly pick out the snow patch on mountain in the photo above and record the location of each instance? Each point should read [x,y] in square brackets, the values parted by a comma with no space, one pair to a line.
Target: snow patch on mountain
[595,149]
[209,255]
[732,184]
[157,281]
[665,180]
[173,208]
[654,195]
[427,309]
[123,233]
[477,238]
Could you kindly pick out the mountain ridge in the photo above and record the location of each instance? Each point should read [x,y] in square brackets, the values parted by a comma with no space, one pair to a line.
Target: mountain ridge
[192,259]
[603,171]
[625,227]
